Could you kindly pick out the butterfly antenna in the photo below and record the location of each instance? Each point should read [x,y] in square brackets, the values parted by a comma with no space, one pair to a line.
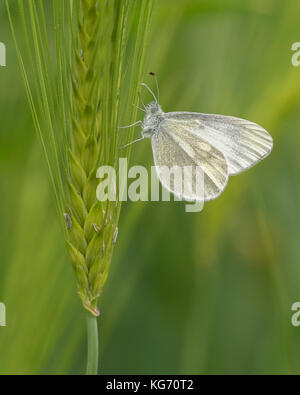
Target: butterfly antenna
[156,81]
[147,87]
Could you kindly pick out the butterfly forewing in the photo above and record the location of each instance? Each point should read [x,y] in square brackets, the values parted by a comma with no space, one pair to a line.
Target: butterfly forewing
[243,143]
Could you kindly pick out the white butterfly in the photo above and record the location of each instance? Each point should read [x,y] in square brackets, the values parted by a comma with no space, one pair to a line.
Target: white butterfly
[219,145]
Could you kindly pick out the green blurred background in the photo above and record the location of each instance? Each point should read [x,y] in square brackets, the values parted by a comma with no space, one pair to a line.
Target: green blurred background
[209,292]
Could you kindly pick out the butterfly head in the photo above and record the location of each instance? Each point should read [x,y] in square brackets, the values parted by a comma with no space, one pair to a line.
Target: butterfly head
[153,108]
[153,117]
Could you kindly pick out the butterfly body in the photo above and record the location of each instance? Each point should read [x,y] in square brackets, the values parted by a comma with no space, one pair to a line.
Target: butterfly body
[154,116]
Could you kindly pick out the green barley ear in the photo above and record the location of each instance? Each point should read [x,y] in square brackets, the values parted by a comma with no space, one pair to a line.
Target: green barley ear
[82,62]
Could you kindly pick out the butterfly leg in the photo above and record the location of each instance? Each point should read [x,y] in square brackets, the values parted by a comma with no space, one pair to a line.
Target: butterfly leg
[132,142]
[139,108]
[137,123]
[141,100]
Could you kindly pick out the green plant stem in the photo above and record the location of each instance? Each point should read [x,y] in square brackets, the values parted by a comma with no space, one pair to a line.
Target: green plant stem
[93,344]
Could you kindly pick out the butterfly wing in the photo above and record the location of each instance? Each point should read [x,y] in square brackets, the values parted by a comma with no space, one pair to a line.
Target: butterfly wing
[243,143]
[175,146]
